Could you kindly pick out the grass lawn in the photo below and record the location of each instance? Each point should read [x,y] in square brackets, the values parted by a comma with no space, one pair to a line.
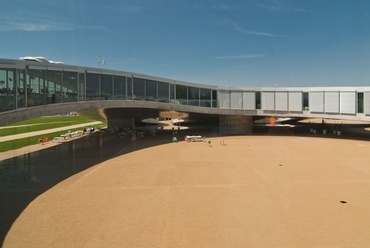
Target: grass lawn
[38,124]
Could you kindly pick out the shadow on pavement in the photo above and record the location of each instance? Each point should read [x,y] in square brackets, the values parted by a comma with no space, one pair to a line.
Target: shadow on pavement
[24,178]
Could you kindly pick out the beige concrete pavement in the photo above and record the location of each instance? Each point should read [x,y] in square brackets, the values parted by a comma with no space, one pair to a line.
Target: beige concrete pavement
[255,191]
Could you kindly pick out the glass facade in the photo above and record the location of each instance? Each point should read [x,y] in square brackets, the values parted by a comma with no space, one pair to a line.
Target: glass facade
[151,90]
[119,88]
[29,86]
[106,87]
[181,94]
[7,90]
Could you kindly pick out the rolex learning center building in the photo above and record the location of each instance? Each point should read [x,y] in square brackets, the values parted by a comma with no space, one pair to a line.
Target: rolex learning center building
[34,86]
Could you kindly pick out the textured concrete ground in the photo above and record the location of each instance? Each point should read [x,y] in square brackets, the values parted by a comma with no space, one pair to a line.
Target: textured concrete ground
[256,191]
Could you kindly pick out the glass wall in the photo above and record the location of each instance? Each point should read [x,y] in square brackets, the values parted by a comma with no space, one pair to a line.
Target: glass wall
[182,94]
[70,87]
[139,89]
[151,90]
[129,88]
[106,87]
[214,99]
[53,88]
[119,87]
[7,90]
[35,88]
[173,94]
[205,97]
[163,92]
[193,96]
[81,87]
[92,87]
[21,96]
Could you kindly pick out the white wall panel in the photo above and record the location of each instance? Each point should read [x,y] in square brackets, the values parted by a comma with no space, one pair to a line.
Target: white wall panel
[249,100]
[281,101]
[331,102]
[236,99]
[295,101]
[268,100]
[224,99]
[348,102]
[316,101]
[367,103]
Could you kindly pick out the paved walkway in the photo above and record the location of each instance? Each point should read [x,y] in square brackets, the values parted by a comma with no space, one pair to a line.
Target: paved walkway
[46,131]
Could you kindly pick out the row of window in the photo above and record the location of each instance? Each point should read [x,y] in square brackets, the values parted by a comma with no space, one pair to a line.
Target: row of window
[27,88]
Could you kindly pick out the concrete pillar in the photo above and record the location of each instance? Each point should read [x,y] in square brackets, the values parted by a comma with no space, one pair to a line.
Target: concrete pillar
[235,124]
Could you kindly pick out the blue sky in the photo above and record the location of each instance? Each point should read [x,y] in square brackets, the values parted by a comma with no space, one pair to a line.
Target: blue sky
[226,43]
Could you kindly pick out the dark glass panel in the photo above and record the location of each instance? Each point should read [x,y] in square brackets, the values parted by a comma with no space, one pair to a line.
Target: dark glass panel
[129,88]
[119,87]
[70,86]
[182,94]
[92,87]
[139,89]
[173,94]
[214,99]
[258,100]
[360,102]
[151,90]
[7,90]
[193,96]
[35,88]
[106,87]
[205,97]
[305,101]
[163,92]
[21,97]
[53,92]
[81,87]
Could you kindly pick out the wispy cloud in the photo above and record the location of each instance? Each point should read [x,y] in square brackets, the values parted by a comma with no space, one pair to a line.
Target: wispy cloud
[40,27]
[276,6]
[252,32]
[222,6]
[241,56]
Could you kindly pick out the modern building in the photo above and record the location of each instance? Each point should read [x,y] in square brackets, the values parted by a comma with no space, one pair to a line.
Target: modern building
[35,86]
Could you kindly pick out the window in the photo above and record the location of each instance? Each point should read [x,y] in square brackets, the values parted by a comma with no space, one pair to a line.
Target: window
[305,103]
[360,102]
[258,100]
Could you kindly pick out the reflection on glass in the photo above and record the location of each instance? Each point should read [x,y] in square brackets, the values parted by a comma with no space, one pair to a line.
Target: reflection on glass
[70,87]
[35,88]
[7,90]
[163,92]
[151,90]
[305,101]
[119,87]
[182,94]
[106,87]
[139,89]
[205,97]
[92,87]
